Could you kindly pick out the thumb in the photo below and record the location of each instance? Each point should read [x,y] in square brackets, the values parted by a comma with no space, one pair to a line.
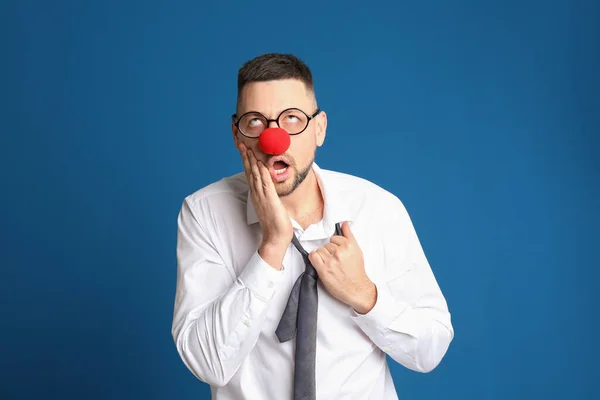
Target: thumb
[346,231]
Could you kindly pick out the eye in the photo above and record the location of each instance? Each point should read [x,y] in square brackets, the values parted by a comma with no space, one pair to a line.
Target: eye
[292,118]
[254,122]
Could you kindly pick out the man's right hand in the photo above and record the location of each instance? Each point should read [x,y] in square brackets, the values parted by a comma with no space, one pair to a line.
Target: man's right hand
[272,215]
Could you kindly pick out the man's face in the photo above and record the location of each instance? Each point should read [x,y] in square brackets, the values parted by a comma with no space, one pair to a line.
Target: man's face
[270,99]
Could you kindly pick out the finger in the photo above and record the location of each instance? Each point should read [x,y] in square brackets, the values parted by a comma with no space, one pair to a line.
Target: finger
[325,255]
[316,260]
[346,230]
[247,167]
[339,240]
[267,182]
[250,181]
[332,248]
[245,160]
[257,181]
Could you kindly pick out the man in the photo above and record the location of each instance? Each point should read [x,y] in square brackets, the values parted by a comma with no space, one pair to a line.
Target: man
[294,282]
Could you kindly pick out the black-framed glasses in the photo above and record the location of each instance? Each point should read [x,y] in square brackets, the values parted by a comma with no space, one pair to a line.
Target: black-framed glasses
[293,120]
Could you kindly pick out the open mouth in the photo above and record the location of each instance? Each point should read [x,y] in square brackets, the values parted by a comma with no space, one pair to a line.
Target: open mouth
[280,167]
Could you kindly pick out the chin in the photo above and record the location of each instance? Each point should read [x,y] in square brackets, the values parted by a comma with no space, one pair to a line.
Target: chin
[285,188]
[292,183]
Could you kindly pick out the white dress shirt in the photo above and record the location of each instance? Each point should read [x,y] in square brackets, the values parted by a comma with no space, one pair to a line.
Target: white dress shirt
[229,301]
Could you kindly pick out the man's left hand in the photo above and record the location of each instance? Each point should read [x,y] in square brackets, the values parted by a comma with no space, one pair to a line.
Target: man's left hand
[341,268]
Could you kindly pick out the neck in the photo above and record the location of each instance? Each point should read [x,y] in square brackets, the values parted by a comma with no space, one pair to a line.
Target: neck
[305,205]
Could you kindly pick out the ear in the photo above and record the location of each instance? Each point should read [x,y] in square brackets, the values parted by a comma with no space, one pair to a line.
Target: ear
[234,131]
[321,131]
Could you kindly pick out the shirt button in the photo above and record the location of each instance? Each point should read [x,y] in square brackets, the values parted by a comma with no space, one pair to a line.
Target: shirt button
[271,284]
[387,349]
[246,322]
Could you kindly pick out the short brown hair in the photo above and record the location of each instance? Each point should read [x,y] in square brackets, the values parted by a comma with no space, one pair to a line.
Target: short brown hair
[274,66]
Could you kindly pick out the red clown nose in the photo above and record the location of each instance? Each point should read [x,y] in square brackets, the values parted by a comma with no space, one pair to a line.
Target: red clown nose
[274,141]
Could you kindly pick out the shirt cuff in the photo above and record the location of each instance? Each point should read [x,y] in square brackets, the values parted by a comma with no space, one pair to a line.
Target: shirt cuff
[260,277]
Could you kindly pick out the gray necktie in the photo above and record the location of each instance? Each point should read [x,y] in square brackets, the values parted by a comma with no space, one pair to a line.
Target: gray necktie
[300,320]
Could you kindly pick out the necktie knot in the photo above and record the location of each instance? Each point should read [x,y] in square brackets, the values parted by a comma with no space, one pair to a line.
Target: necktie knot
[311,271]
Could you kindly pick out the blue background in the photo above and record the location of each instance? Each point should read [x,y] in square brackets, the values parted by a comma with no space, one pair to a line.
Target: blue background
[483,117]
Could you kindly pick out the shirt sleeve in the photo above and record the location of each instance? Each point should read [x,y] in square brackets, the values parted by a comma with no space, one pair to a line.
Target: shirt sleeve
[410,320]
[217,316]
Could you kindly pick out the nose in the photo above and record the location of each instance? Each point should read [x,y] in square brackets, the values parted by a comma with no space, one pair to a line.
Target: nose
[274,141]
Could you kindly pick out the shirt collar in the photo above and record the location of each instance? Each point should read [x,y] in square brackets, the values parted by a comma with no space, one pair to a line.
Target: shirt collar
[335,211]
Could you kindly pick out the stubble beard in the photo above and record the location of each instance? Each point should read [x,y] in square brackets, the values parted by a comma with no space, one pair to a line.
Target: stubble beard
[286,188]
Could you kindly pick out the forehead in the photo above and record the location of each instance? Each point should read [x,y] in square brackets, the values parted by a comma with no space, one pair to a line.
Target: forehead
[272,97]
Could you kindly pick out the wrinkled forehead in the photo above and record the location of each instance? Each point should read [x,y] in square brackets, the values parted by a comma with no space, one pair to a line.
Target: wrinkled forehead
[272,97]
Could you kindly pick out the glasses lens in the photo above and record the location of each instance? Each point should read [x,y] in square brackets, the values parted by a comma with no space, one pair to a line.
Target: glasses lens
[293,121]
[252,124]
